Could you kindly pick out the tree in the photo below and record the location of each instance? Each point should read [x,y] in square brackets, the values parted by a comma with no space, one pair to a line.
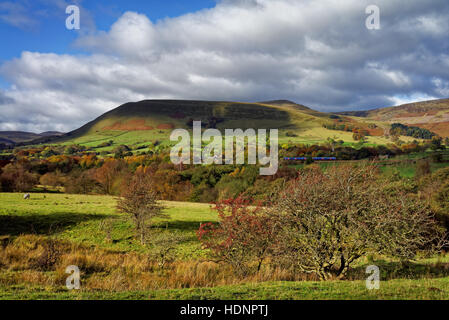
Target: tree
[16,177]
[69,150]
[416,132]
[330,220]
[243,236]
[436,143]
[52,179]
[80,182]
[139,201]
[331,143]
[359,134]
[109,173]
[163,247]
[122,151]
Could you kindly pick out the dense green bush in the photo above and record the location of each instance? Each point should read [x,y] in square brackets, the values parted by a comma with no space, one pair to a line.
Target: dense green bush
[415,132]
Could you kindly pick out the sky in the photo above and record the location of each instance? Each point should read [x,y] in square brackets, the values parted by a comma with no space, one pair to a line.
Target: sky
[317,53]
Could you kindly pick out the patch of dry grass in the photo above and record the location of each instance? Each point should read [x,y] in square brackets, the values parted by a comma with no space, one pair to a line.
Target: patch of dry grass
[39,260]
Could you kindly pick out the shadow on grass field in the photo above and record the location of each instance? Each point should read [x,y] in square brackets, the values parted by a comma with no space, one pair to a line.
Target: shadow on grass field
[390,270]
[14,225]
[181,225]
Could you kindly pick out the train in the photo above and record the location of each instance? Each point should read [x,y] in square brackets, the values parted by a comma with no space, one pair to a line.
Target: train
[313,158]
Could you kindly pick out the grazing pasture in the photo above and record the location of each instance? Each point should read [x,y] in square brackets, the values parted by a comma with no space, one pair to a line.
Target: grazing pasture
[42,235]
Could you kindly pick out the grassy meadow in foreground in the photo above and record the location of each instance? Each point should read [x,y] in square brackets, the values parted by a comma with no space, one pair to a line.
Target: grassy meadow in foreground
[83,218]
[41,236]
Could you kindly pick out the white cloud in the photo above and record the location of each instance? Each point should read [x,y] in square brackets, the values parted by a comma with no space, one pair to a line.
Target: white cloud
[318,53]
[400,100]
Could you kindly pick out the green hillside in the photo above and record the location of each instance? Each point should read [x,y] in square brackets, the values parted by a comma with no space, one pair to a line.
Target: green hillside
[150,121]
[432,115]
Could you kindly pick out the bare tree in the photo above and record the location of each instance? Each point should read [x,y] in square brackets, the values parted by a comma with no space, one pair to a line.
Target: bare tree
[163,248]
[140,202]
[330,219]
[244,236]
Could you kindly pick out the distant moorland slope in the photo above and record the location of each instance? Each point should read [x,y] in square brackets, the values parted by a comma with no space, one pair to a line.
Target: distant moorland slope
[432,115]
[13,137]
[137,123]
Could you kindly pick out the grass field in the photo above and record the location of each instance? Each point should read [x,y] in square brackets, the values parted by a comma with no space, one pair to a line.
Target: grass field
[429,289]
[404,165]
[305,135]
[407,170]
[78,221]
[79,218]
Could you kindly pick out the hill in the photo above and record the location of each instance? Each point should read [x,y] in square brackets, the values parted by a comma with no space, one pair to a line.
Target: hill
[151,121]
[20,137]
[432,115]
[11,137]
[50,133]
